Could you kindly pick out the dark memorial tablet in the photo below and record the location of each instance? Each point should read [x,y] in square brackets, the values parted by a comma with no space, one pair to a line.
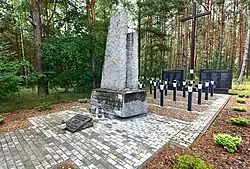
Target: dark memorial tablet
[171,75]
[79,122]
[222,79]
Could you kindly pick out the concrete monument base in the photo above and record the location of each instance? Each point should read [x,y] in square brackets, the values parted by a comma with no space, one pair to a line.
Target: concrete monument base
[126,103]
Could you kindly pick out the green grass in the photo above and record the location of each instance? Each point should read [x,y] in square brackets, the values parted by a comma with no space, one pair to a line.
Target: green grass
[28,100]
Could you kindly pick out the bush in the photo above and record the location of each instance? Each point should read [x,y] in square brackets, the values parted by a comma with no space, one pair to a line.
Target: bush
[239,121]
[192,162]
[228,142]
[241,109]
[43,106]
[241,95]
[1,119]
[10,79]
[66,62]
[242,101]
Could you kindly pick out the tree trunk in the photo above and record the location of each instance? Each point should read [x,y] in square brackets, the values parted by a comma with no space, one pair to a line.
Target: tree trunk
[245,57]
[248,64]
[212,34]
[47,28]
[185,39]
[150,46]
[146,36]
[205,43]
[38,42]
[221,36]
[234,35]
[25,73]
[139,39]
[240,40]
[171,47]
[91,9]
[178,51]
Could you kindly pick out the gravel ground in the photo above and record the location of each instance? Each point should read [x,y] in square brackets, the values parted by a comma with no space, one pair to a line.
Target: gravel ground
[180,97]
[179,104]
[173,113]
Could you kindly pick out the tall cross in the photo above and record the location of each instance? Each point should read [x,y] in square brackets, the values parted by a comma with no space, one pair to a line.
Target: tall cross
[193,17]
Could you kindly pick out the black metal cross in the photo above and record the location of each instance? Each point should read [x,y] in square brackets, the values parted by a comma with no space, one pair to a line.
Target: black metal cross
[193,17]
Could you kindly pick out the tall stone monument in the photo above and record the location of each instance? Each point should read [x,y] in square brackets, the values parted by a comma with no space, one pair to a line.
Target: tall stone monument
[119,94]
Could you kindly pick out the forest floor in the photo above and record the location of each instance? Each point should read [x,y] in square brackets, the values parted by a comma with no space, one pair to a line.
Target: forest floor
[205,148]
[17,109]
[28,99]
[19,119]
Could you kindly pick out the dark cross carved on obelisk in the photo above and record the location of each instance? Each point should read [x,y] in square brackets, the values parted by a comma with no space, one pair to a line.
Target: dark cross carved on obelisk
[193,17]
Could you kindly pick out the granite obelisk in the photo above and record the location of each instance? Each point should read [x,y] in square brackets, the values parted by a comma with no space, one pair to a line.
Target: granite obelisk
[119,94]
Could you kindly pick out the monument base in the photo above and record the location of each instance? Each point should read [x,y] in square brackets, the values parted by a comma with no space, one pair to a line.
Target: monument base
[126,103]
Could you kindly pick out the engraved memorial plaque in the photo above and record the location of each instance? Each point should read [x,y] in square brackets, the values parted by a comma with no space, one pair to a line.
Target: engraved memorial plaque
[79,122]
[222,79]
[171,75]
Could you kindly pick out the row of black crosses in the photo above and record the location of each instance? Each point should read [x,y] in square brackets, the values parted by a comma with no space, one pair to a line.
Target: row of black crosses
[163,88]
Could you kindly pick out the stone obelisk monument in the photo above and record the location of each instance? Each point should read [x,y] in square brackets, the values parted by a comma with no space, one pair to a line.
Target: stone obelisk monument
[119,94]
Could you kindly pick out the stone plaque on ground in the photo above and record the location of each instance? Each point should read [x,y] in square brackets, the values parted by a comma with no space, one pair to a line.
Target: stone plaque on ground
[171,75]
[79,122]
[222,79]
[119,94]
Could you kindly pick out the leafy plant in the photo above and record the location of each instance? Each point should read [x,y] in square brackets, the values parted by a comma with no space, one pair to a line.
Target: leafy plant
[242,95]
[66,62]
[241,109]
[192,162]
[242,101]
[228,142]
[10,79]
[1,119]
[240,121]
[44,106]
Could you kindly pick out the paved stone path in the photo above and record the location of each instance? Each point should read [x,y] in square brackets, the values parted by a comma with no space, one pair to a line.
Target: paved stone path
[110,144]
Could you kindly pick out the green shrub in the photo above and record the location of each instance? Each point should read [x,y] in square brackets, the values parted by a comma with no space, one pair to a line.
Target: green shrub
[241,109]
[62,60]
[241,95]
[43,106]
[10,78]
[239,121]
[228,142]
[192,162]
[241,101]
[1,119]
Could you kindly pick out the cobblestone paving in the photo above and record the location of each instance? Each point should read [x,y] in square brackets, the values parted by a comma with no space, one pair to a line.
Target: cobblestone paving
[110,144]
